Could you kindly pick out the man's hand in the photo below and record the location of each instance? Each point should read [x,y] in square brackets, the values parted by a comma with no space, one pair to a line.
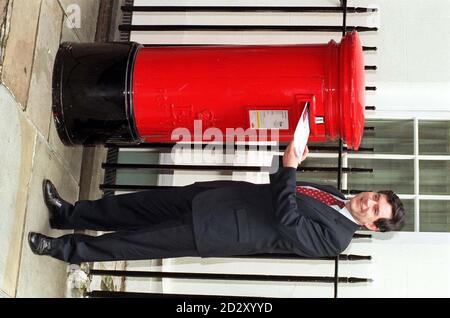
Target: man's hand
[290,159]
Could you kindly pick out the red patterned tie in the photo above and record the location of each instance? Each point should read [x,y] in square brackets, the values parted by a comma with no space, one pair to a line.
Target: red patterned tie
[322,196]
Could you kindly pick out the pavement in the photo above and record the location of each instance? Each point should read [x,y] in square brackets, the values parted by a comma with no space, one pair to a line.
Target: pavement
[31,32]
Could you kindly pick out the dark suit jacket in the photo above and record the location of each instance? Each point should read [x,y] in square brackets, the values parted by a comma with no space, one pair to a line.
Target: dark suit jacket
[242,218]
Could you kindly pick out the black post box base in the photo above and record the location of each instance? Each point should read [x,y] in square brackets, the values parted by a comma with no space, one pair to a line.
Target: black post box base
[92,102]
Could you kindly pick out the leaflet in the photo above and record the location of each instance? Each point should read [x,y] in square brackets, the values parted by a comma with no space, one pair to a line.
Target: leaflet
[301,133]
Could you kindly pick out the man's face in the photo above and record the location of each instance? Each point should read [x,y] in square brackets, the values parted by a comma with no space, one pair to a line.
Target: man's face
[367,207]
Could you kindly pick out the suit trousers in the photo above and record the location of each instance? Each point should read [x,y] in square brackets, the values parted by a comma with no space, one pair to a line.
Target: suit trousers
[148,225]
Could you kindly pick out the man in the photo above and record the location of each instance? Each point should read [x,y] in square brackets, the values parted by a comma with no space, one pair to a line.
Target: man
[219,218]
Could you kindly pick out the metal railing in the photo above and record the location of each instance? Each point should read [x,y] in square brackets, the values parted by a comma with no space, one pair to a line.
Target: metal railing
[112,166]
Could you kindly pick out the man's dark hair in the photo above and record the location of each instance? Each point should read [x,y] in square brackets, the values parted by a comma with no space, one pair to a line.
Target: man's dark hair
[398,213]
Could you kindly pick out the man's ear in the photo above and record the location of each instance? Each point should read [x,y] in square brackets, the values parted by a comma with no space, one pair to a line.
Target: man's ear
[372,227]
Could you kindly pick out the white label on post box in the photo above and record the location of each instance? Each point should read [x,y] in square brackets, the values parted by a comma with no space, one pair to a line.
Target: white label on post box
[269,119]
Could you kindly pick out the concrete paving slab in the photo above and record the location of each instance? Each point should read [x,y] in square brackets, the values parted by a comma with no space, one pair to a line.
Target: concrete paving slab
[47,43]
[42,276]
[81,16]
[18,60]
[32,150]
[16,158]
[5,20]
[70,156]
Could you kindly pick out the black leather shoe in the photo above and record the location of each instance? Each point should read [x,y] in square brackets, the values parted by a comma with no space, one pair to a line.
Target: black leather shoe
[53,202]
[39,243]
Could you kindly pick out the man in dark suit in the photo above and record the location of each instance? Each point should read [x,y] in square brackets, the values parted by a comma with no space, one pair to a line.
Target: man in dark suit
[219,218]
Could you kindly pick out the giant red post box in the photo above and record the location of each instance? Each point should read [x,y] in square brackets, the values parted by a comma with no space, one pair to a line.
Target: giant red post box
[124,92]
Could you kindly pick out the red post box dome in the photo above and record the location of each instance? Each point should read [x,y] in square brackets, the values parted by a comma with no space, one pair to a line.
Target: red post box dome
[146,93]
[352,90]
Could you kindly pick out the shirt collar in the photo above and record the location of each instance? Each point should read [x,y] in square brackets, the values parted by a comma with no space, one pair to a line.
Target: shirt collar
[345,212]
